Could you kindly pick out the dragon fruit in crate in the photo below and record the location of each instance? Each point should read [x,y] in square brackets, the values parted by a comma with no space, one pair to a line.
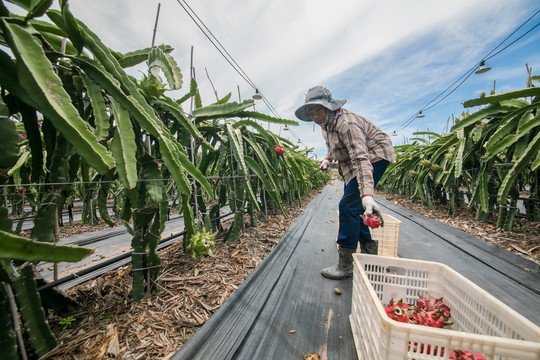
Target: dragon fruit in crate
[465,355]
[431,311]
[399,311]
[428,311]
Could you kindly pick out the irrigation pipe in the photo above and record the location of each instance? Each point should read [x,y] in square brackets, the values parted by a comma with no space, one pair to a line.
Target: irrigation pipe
[116,259]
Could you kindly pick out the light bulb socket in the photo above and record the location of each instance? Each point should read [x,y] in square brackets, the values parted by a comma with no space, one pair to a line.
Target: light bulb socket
[483,68]
[257,96]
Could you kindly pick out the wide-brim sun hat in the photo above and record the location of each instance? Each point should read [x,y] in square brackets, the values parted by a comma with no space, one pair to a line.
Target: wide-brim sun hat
[318,95]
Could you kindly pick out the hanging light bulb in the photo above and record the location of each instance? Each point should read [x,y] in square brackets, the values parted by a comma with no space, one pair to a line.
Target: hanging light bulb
[483,68]
[394,133]
[286,128]
[420,115]
[257,96]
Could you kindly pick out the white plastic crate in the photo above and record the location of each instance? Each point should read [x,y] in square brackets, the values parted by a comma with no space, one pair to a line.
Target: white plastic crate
[482,323]
[387,236]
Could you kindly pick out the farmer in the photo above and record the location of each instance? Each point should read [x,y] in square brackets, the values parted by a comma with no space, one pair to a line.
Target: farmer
[363,152]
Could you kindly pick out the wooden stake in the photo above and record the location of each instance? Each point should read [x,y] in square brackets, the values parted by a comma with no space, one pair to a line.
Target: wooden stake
[15,319]
[155,25]
[55,234]
[148,140]
[215,92]
[192,140]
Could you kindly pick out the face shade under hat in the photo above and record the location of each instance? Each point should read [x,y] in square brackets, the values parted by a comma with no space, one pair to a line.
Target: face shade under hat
[318,95]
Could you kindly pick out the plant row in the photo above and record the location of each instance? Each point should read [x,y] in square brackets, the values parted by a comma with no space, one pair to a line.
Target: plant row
[489,160]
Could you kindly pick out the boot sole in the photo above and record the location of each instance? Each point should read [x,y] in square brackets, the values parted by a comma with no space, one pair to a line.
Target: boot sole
[336,277]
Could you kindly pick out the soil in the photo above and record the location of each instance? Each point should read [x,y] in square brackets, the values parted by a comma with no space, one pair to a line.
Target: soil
[106,323]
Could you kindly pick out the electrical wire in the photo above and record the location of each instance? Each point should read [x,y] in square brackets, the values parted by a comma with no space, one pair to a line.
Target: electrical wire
[435,101]
[430,105]
[237,67]
[296,136]
[513,32]
[507,46]
[221,49]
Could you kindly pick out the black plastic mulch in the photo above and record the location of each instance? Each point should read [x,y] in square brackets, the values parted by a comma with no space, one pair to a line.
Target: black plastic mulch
[286,309]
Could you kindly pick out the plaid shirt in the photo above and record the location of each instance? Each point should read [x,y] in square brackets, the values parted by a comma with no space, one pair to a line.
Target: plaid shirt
[356,143]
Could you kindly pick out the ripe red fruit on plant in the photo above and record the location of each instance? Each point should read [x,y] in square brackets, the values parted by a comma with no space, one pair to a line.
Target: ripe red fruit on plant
[373,221]
[279,150]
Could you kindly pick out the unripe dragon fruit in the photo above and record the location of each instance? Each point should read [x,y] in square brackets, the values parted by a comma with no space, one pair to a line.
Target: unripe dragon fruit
[279,150]
[373,221]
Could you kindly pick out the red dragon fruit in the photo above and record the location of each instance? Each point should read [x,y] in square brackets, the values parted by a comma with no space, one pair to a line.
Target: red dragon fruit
[465,355]
[428,311]
[279,150]
[373,221]
[428,318]
[398,311]
[431,311]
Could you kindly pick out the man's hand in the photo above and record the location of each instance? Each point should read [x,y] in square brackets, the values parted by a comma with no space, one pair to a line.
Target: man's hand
[371,207]
[325,164]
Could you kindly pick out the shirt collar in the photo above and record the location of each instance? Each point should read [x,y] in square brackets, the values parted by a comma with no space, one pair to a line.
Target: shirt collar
[331,117]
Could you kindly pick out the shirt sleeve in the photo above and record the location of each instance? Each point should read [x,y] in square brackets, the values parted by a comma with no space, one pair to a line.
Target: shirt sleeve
[354,138]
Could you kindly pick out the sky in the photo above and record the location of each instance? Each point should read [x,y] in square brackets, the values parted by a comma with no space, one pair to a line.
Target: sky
[388,58]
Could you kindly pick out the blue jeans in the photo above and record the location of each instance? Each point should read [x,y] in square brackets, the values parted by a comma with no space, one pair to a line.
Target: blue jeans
[351,227]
